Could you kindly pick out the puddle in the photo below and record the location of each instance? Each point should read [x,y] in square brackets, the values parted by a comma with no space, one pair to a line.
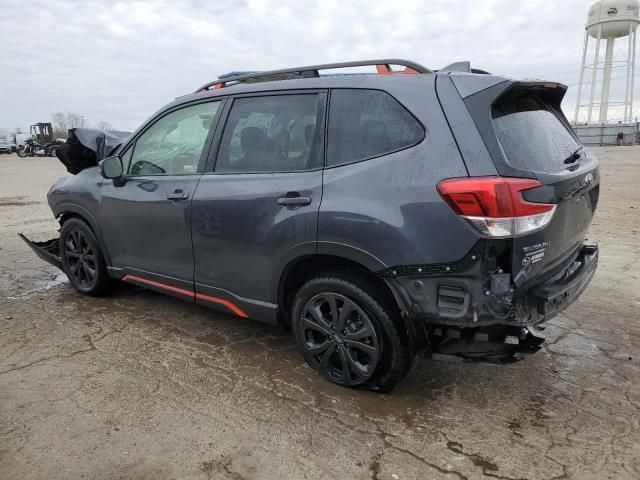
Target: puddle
[43,286]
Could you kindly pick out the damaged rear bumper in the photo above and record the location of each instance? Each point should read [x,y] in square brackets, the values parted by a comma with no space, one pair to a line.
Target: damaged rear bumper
[48,251]
[476,292]
[553,296]
[498,344]
[506,342]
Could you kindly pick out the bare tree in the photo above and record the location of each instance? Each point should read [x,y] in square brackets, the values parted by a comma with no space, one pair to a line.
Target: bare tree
[74,120]
[60,122]
[104,126]
[60,125]
[63,122]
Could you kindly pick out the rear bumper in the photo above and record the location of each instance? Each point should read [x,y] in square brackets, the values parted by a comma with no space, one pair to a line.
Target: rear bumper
[475,293]
[467,316]
[48,251]
[552,297]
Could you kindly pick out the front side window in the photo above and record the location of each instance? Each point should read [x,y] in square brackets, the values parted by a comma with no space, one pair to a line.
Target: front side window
[368,123]
[279,133]
[173,145]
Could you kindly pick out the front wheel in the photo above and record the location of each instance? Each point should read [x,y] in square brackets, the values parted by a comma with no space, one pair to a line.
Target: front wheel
[348,329]
[22,152]
[82,259]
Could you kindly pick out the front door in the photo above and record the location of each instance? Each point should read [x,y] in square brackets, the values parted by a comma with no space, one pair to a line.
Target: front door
[146,222]
[259,204]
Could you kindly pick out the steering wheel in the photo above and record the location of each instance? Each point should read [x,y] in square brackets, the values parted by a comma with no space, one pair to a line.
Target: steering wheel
[153,169]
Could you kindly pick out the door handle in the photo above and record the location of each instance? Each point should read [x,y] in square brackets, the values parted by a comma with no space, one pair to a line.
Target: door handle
[293,200]
[177,195]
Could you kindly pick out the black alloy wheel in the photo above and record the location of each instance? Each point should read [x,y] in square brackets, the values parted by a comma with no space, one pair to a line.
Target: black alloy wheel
[81,259]
[340,339]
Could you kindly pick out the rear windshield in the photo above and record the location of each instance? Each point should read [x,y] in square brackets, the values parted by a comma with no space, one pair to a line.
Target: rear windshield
[531,134]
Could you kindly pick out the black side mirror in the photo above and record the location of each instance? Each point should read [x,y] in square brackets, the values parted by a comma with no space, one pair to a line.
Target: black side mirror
[111,168]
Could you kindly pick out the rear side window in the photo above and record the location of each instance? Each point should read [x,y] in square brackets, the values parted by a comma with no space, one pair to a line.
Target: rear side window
[531,134]
[368,123]
[279,133]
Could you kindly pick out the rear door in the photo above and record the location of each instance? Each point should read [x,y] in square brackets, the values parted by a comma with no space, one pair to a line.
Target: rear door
[529,136]
[257,205]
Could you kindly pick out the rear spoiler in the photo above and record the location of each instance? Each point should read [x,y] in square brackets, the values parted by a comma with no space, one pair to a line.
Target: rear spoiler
[552,90]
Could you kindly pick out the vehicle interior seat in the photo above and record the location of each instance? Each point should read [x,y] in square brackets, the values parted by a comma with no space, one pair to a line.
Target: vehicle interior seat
[257,149]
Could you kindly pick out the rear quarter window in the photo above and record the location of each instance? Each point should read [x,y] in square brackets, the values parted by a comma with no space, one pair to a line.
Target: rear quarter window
[365,124]
[531,133]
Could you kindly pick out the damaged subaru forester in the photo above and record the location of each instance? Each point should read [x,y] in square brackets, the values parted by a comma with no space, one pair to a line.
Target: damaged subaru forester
[379,216]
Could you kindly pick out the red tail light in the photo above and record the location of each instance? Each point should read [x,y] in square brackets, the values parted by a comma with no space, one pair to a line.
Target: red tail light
[495,205]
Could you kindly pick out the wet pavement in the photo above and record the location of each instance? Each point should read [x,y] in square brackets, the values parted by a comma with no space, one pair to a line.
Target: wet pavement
[138,385]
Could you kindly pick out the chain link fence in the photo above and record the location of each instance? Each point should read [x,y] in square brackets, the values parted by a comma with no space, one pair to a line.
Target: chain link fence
[608,133]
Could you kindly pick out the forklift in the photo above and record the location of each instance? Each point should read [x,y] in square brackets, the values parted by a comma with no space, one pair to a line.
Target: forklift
[41,142]
[41,133]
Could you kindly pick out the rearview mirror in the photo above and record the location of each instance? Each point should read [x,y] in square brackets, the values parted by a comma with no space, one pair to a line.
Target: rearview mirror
[111,167]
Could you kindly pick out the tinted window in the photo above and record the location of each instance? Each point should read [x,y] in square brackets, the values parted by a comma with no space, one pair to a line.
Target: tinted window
[173,145]
[531,134]
[279,133]
[368,123]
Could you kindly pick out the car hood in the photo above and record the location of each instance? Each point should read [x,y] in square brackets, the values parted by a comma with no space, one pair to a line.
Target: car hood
[85,147]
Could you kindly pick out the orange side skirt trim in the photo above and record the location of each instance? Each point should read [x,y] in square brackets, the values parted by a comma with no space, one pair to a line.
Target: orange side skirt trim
[187,293]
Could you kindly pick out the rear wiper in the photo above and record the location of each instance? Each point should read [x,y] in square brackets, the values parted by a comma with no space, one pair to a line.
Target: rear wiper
[573,157]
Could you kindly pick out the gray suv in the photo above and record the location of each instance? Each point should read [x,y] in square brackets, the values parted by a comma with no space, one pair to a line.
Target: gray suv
[379,216]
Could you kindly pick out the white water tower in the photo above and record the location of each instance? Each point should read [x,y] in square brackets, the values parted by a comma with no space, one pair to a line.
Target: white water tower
[608,20]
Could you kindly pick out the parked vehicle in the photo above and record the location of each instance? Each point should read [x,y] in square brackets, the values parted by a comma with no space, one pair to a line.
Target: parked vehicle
[29,149]
[32,148]
[21,137]
[5,147]
[41,142]
[378,216]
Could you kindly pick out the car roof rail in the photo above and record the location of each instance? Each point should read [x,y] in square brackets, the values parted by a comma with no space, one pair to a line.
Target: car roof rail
[383,67]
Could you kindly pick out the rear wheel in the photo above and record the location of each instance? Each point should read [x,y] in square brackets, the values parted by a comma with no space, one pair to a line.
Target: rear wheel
[82,259]
[349,331]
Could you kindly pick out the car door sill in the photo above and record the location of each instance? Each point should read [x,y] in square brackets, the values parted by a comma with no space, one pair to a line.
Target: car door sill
[256,309]
[203,294]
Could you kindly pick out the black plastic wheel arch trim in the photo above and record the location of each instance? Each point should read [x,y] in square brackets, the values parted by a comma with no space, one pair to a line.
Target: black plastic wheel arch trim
[436,268]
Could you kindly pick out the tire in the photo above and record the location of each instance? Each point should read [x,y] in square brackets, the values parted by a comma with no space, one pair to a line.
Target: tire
[52,151]
[22,152]
[82,260]
[373,345]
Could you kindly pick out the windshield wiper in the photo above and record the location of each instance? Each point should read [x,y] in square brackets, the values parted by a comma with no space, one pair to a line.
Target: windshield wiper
[573,157]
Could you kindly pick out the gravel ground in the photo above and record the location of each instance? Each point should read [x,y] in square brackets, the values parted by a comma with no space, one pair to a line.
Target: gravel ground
[138,385]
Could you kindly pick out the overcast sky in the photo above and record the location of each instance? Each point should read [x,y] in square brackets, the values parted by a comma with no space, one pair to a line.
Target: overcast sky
[120,61]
